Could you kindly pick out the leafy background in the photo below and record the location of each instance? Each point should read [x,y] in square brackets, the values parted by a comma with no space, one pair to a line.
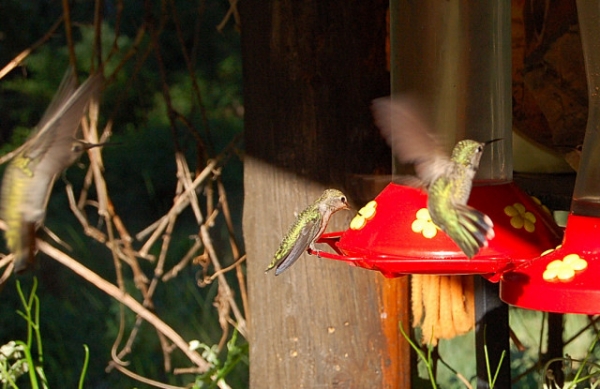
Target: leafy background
[139,170]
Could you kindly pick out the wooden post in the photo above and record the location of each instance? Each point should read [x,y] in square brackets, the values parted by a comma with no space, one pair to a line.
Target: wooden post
[311,69]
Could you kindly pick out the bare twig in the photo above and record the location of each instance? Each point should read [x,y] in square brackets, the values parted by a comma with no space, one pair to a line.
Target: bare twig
[23,54]
[225,270]
[240,320]
[181,202]
[234,246]
[167,349]
[117,29]
[133,49]
[220,383]
[89,230]
[184,176]
[148,293]
[97,50]
[232,11]
[142,379]
[115,346]
[125,299]
[196,88]
[6,260]
[184,261]
[69,33]
[96,163]
[158,270]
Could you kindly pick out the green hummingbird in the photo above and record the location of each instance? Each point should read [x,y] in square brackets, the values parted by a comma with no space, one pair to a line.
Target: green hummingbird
[30,175]
[308,227]
[448,180]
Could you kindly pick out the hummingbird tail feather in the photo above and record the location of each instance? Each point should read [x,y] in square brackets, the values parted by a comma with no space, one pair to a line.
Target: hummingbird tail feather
[285,264]
[475,229]
[284,260]
[295,243]
[25,252]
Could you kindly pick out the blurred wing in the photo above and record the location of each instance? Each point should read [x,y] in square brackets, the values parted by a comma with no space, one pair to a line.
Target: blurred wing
[65,90]
[412,181]
[294,244]
[403,127]
[58,128]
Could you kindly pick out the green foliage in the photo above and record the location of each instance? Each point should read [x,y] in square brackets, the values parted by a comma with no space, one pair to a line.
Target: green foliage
[140,173]
[429,362]
[16,357]
[13,363]
[492,378]
[580,366]
[426,359]
[220,370]
[577,373]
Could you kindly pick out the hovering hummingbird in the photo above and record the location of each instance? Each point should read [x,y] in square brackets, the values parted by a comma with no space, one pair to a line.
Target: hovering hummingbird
[50,149]
[448,180]
[308,227]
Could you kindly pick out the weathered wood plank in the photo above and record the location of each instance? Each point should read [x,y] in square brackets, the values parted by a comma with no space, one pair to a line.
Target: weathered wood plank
[311,69]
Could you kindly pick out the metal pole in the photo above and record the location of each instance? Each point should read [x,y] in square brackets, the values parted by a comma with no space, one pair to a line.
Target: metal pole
[492,333]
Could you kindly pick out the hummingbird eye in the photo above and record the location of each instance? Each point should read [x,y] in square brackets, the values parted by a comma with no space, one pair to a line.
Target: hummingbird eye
[480,149]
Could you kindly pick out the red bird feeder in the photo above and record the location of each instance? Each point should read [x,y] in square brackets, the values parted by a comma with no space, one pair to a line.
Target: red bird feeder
[394,235]
[565,280]
[562,280]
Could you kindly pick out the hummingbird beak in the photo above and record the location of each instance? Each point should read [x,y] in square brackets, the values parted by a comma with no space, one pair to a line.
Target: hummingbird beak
[346,205]
[492,141]
[87,146]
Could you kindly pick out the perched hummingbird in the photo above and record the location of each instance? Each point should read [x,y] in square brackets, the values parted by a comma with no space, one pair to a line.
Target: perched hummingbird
[448,180]
[50,149]
[308,227]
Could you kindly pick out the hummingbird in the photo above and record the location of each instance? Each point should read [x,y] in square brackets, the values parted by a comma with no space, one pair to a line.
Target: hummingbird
[49,150]
[308,227]
[448,180]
